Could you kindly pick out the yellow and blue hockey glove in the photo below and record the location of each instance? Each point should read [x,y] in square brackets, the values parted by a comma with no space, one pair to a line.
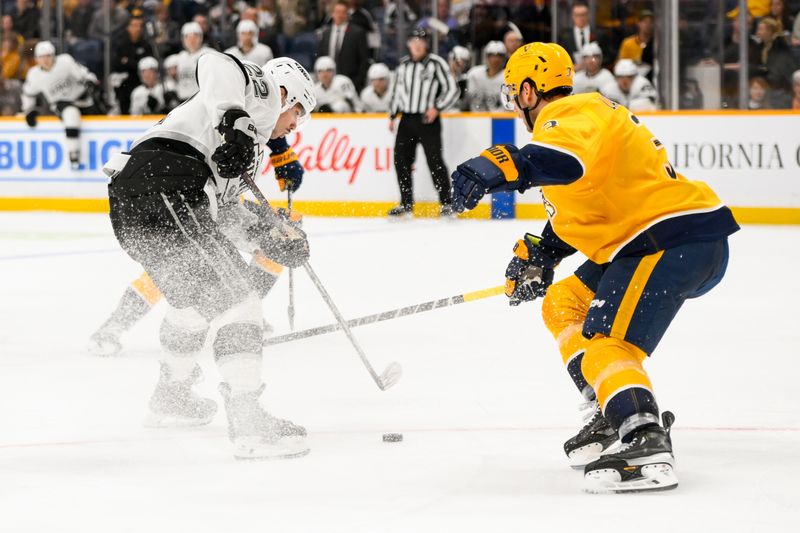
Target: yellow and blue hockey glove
[531,271]
[288,170]
[494,170]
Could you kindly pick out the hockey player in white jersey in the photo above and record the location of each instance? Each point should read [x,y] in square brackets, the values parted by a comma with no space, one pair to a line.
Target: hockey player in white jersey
[485,81]
[592,77]
[459,59]
[174,210]
[193,48]
[376,97]
[629,88]
[68,88]
[148,98]
[247,47]
[335,93]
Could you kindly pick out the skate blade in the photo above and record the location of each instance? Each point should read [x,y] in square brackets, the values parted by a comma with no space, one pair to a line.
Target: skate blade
[584,455]
[254,449]
[401,218]
[157,420]
[654,477]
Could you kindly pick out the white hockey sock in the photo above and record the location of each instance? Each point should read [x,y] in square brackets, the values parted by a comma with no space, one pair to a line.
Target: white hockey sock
[242,373]
[180,366]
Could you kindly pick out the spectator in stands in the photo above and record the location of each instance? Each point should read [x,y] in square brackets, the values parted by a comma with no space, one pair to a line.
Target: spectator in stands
[26,19]
[533,19]
[775,62]
[488,22]
[193,48]
[247,47]
[574,38]
[630,88]
[592,77]
[10,96]
[170,81]
[335,93]
[295,16]
[796,90]
[119,19]
[512,40]
[346,44]
[11,59]
[128,49]
[758,91]
[361,17]
[794,39]
[391,25]
[148,98]
[7,29]
[270,23]
[208,39]
[484,82]
[376,97]
[81,19]
[166,32]
[777,11]
[448,38]
[639,46]
[459,59]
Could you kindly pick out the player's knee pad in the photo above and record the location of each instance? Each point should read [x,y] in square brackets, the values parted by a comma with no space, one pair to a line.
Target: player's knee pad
[71,118]
[146,288]
[613,367]
[564,309]
[183,331]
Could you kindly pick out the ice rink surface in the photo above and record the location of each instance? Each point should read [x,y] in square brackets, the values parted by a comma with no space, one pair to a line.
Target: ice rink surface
[484,404]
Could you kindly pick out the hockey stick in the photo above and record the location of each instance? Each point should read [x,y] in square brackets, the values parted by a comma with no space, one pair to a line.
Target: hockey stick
[394,371]
[290,308]
[389,315]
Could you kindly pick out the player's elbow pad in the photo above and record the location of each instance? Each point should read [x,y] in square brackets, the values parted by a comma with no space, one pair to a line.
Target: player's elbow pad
[548,166]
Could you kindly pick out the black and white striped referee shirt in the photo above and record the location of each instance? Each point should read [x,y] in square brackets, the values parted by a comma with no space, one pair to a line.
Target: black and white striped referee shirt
[421,85]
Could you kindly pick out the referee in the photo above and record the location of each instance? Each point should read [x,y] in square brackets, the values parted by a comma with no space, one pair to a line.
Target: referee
[423,87]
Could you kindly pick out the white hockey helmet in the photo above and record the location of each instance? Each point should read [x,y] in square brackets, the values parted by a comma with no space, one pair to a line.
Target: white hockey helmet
[147,63]
[246,26]
[461,54]
[625,67]
[378,71]
[297,82]
[190,28]
[591,49]
[494,48]
[324,63]
[171,61]
[44,48]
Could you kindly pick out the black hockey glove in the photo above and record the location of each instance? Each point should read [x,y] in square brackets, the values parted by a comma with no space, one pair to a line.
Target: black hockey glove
[530,272]
[237,151]
[288,170]
[285,243]
[31,118]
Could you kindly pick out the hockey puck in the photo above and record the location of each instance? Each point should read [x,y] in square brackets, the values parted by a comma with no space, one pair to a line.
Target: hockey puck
[392,437]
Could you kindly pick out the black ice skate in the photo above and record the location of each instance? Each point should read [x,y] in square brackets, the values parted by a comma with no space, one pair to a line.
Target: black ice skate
[595,437]
[446,211]
[400,212]
[255,433]
[644,464]
[174,404]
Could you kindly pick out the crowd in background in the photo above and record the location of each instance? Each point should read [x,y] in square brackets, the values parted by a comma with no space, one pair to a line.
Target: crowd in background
[353,46]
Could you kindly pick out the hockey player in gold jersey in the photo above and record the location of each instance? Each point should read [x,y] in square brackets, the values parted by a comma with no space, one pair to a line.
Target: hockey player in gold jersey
[653,239]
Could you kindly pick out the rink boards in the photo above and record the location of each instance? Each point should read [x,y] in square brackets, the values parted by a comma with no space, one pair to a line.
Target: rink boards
[752,160]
